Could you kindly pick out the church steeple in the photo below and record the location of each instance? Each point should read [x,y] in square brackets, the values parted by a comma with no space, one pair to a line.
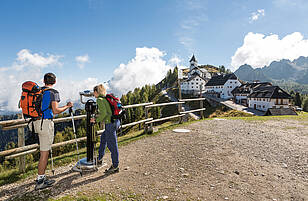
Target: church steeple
[193,62]
[193,59]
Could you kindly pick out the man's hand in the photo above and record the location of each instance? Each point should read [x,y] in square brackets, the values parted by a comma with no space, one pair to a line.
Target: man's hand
[70,104]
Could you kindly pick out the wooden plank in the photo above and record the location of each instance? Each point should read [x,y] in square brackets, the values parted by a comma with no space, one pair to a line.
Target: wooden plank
[192,99]
[165,118]
[13,122]
[22,154]
[137,105]
[19,149]
[53,146]
[68,142]
[99,132]
[137,122]
[190,111]
[14,127]
[65,119]
[163,104]
[20,125]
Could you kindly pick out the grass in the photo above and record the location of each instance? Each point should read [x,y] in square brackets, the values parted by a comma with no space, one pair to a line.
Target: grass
[302,116]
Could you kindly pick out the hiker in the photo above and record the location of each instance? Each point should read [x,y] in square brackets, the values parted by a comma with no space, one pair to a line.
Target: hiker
[109,136]
[44,127]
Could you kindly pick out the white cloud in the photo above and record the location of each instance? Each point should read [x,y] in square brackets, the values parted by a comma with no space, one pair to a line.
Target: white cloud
[259,50]
[26,58]
[175,60]
[147,67]
[81,60]
[256,15]
[30,66]
[69,90]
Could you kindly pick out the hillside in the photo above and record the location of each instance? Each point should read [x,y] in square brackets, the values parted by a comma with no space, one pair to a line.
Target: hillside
[221,159]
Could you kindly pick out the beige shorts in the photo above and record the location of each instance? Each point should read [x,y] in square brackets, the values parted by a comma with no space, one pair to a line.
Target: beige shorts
[46,134]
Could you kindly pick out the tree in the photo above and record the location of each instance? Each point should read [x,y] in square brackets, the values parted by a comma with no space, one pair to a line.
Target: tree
[297,100]
[222,69]
[305,105]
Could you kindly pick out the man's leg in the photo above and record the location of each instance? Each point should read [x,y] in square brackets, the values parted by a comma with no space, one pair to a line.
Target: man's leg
[46,139]
[43,162]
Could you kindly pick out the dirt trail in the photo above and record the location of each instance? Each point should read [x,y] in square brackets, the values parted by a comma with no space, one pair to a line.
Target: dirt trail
[218,160]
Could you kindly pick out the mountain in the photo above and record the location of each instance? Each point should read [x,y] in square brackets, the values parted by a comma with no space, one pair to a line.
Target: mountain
[247,73]
[295,71]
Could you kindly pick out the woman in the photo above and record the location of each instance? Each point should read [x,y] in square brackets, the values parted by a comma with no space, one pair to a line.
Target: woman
[109,136]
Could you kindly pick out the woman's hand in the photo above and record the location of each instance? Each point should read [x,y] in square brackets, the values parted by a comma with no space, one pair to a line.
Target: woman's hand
[92,120]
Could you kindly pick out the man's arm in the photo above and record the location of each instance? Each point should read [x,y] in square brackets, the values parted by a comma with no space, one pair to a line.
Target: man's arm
[57,110]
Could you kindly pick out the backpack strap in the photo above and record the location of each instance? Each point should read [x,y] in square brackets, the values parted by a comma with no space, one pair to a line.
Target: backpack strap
[42,119]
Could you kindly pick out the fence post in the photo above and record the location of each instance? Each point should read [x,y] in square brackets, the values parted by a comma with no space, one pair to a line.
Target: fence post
[180,97]
[146,116]
[201,102]
[21,143]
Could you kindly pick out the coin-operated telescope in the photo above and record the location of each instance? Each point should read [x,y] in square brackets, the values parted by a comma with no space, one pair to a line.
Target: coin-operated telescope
[90,162]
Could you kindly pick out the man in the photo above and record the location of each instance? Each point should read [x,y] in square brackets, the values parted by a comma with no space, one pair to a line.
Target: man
[44,127]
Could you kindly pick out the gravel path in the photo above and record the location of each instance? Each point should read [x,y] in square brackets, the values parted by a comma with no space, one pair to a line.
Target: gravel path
[218,160]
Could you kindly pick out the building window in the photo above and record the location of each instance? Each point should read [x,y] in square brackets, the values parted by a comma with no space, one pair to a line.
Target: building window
[192,87]
[231,82]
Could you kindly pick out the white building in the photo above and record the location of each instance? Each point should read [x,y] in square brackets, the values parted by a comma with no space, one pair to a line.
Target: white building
[222,85]
[242,92]
[196,77]
[193,84]
[267,97]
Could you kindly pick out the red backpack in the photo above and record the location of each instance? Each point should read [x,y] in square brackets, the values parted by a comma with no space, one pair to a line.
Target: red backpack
[31,100]
[117,109]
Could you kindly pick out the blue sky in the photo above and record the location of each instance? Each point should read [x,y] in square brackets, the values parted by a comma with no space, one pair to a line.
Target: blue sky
[105,34]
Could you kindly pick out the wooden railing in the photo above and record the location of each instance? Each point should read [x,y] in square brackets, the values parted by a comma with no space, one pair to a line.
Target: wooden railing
[20,124]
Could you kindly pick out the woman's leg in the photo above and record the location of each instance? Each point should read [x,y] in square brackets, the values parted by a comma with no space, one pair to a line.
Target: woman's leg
[102,146]
[112,142]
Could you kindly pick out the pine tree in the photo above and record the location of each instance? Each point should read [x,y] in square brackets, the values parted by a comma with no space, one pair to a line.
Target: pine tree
[297,100]
[305,105]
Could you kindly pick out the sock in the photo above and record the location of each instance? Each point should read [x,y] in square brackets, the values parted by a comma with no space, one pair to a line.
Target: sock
[39,177]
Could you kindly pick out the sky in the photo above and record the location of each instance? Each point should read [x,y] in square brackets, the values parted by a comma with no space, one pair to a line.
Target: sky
[133,43]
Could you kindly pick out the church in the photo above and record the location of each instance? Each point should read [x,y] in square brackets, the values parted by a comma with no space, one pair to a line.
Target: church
[195,79]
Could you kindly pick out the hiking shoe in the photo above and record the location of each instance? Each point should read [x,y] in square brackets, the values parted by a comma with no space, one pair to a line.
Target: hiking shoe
[44,183]
[112,170]
[100,161]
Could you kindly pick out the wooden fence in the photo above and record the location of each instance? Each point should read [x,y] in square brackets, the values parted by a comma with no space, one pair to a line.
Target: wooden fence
[20,124]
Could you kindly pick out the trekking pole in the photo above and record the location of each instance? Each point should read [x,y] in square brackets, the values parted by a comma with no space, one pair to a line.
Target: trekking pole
[52,169]
[74,130]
